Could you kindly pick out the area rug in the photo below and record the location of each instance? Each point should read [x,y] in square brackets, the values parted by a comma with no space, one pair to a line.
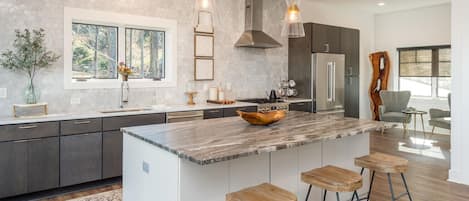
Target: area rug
[114,195]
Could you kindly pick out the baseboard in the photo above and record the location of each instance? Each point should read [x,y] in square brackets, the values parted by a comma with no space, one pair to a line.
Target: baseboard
[456,177]
[64,190]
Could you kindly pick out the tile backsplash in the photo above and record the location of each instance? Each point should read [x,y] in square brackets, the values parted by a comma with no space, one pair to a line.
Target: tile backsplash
[250,71]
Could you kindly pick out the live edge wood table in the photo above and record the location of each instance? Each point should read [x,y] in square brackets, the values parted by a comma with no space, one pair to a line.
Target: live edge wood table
[206,159]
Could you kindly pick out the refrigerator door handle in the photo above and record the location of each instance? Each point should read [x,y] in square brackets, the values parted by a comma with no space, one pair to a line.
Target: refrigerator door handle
[333,82]
[329,82]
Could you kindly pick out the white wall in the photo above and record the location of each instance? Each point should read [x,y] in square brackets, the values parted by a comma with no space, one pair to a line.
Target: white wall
[460,56]
[345,16]
[425,26]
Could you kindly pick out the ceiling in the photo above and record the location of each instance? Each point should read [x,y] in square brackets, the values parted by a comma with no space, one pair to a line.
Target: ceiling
[390,5]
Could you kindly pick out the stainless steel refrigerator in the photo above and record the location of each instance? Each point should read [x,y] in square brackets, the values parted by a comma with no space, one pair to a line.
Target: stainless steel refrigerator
[328,81]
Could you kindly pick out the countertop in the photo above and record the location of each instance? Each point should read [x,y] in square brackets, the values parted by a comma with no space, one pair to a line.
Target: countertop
[97,114]
[210,141]
[148,110]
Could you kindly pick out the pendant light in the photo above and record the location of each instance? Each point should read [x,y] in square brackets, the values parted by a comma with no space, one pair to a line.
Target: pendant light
[204,16]
[293,24]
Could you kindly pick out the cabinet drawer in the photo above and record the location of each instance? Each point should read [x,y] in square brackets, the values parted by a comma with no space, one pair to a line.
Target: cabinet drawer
[303,106]
[28,131]
[231,112]
[212,114]
[116,123]
[80,126]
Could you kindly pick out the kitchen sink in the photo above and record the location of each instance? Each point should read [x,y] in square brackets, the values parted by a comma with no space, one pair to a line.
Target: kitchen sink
[124,110]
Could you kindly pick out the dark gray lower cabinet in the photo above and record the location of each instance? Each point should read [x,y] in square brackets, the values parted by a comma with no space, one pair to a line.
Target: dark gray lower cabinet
[112,154]
[352,97]
[43,164]
[13,168]
[28,166]
[213,113]
[80,158]
[303,106]
[231,112]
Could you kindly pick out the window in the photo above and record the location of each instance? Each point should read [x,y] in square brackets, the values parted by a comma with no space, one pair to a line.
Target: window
[93,49]
[425,71]
[144,52]
[94,52]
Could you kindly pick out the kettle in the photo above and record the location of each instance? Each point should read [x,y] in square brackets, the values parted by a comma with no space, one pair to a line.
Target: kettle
[273,95]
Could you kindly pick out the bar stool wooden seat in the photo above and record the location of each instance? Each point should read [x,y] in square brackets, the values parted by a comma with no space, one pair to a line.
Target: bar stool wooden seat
[263,192]
[331,178]
[388,164]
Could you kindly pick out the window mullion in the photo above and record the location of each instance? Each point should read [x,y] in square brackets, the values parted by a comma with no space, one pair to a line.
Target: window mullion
[121,45]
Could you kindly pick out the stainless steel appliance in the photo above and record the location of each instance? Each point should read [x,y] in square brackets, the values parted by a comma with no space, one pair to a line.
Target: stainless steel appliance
[266,105]
[253,36]
[173,117]
[328,81]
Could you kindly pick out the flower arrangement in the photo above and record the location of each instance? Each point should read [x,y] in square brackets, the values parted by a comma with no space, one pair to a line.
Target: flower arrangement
[125,71]
[29,55]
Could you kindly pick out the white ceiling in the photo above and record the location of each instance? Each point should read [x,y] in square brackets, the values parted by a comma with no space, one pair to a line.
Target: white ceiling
[390,5]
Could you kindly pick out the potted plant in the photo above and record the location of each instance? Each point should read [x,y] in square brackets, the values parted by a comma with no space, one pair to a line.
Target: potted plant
[29,55]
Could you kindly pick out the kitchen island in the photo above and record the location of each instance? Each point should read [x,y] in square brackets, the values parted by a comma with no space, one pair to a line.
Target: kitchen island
[204,160]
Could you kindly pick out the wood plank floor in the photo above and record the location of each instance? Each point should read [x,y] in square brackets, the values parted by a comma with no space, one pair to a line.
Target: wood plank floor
[428,169]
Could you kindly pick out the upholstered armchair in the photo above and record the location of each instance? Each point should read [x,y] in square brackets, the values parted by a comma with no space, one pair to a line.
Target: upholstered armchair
[393,103]
[441,118]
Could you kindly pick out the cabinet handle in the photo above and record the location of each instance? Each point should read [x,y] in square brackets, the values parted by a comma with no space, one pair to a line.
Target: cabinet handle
[214,111]
[82,122]
[28,127]
[22,141]
[300,104]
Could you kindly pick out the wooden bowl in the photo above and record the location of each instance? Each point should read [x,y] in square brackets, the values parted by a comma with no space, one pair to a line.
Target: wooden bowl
[262,118]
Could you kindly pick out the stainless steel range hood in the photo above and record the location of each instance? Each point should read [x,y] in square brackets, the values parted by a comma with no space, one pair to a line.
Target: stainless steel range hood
[253,35]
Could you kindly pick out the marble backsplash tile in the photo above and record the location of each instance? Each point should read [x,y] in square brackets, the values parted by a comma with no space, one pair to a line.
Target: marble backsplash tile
[250,71]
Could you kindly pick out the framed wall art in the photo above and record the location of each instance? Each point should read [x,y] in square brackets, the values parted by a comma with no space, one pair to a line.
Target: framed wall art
[204,69]
[203,45]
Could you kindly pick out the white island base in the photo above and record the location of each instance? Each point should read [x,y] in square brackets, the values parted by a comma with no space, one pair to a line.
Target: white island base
[154,174]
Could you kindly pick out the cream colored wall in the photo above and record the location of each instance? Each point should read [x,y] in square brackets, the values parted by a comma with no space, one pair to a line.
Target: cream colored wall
[425,26]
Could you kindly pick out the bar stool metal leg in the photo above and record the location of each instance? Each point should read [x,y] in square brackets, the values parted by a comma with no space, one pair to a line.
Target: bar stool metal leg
[309,191]
[371,186]
[325,193]
[393,198]
[337,195]
[355,195]
[406,187]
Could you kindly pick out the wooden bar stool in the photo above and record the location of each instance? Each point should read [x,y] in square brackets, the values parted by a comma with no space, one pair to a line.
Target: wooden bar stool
[388,164]
[263,192]
[331,178]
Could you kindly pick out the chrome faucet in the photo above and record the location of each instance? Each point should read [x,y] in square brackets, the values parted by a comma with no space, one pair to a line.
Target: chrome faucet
[125,92]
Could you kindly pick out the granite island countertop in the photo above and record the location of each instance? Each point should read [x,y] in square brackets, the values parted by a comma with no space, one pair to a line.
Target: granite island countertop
[210,141]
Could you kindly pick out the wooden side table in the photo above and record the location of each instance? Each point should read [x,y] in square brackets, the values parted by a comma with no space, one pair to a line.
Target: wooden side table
[416,113]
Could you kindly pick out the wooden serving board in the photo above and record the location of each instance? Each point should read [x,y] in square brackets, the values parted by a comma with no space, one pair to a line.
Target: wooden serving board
[223,102]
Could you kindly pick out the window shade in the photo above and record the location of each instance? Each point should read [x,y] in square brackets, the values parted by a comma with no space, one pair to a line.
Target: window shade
[425,61]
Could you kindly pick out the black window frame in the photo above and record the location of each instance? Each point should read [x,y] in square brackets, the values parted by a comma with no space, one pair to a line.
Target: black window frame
[163,76]
[117,48]
[435,58]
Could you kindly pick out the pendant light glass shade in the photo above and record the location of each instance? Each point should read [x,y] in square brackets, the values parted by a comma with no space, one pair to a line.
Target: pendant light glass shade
[204,15]
[293,23]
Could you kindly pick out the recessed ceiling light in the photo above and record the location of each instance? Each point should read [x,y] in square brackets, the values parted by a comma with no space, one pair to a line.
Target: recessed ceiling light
[381,4]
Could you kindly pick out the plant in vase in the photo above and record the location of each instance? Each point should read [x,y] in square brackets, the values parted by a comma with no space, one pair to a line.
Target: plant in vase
[29,55]
[124,71]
